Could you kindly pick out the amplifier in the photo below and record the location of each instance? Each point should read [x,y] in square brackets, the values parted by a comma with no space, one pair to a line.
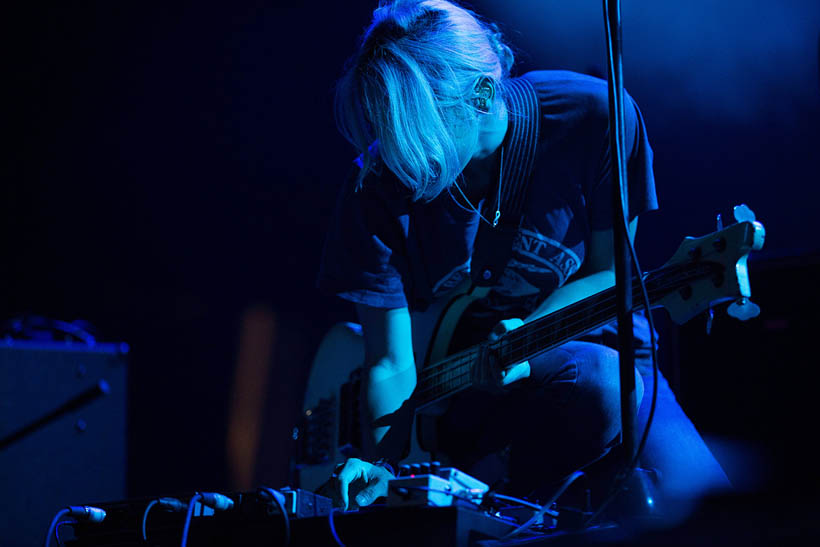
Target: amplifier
[63,427]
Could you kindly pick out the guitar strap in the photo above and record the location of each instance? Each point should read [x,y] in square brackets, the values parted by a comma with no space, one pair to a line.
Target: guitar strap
[492,248]
[493,244]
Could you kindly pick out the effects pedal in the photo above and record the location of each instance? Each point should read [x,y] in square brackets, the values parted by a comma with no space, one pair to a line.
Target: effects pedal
[303,504]
[432,485]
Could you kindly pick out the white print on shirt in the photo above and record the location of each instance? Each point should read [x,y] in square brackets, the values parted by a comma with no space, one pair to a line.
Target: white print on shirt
[522,266]
[561,260]
[534,254]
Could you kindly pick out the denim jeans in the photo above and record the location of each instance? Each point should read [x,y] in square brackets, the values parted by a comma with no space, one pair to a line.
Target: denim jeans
[566,416]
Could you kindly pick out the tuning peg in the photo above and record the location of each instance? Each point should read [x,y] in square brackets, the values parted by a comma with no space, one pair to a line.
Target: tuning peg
[719,222]
[743,213]
[743,309]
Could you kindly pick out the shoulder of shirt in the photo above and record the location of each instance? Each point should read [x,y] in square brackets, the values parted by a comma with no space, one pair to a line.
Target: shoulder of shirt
[572,91]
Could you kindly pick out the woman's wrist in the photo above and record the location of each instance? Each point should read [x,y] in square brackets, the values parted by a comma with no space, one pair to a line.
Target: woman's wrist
[387,464]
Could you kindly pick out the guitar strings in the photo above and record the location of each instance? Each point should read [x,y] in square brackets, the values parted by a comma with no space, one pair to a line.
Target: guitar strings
[604,298]
[470,354]
[661,281]
[660,285]
[454,365]
[455,368]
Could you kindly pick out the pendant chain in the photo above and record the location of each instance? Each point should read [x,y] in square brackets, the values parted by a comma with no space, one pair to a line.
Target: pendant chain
[494,223]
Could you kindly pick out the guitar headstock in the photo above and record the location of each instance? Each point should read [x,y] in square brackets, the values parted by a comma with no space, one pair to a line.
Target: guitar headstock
[723,255]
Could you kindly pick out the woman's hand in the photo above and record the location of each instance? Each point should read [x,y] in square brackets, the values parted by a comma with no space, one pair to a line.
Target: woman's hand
[515,372]
[363,480]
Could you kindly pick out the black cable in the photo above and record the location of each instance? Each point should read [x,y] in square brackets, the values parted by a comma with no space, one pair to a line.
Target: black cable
[188,516]
[78,401]
[333,527]
[86,513]
[145,518]
[57,530]
[519,501]
[169,504]
[272,493]
[493,495]
[52,528]
[544,508]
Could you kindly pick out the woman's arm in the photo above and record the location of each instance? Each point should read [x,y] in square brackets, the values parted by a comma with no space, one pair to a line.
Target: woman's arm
[390,372]
[596,274]
[389,380]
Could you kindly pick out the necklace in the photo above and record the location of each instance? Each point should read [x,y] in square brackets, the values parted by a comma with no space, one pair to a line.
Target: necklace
[473,208]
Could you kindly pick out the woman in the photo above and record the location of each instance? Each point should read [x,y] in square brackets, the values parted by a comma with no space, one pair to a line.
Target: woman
[429,103]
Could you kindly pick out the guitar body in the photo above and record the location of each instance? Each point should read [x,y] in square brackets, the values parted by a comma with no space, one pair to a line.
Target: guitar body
[704,272]
[330,429]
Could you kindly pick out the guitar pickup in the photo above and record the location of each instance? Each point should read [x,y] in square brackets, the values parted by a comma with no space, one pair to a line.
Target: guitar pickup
[317,433]
[350,430]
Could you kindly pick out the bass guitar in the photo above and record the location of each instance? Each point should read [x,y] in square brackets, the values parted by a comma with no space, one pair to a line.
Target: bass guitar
[704,273]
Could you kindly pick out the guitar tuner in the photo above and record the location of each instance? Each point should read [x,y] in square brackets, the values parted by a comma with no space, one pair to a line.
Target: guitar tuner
[743,213]
[743,309]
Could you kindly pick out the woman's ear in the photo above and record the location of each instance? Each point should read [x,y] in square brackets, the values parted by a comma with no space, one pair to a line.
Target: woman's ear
[484,94]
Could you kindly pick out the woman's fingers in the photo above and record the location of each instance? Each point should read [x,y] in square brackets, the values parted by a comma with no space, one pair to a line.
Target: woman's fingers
[352,470]
[371,492]
[359,474]
[505,326]
[515,373]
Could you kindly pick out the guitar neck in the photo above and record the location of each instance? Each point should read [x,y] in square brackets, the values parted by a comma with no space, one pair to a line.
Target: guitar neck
[561,326]
[461,370]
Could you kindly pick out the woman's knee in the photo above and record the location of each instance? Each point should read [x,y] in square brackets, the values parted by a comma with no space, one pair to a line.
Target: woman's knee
[598,391]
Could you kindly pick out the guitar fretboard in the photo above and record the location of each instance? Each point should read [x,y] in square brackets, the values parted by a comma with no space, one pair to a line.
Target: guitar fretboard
[459,371]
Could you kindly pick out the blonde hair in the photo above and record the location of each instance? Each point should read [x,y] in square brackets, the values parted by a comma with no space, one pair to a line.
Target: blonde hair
[409,85]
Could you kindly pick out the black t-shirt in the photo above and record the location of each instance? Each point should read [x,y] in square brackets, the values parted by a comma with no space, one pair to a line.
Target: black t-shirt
[377,229]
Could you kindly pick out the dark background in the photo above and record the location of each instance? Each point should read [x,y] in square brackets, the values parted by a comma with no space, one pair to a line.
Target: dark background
[170,166]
